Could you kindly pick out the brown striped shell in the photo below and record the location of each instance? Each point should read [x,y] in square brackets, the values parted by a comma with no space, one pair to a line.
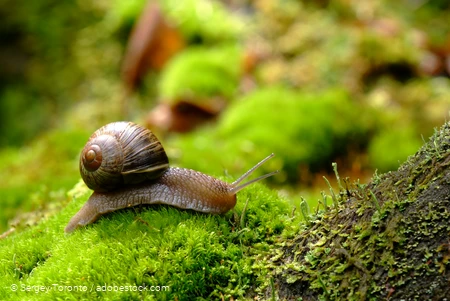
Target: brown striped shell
[120,154]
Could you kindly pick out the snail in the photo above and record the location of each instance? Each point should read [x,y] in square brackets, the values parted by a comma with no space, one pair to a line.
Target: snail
[126,165]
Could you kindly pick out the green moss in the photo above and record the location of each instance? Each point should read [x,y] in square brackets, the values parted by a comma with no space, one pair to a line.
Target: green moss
[195,255]
[199,73]
[194,19]
[301,128]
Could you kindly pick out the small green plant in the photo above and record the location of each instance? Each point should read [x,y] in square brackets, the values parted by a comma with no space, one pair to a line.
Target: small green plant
[333,195]
[304,209]
[375,200]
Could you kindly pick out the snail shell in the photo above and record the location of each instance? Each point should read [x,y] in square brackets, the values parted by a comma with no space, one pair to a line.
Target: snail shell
[120,154]
[126,165]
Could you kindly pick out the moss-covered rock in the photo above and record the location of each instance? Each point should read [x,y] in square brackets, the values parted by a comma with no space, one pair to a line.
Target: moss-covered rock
[385,240]
[165,252]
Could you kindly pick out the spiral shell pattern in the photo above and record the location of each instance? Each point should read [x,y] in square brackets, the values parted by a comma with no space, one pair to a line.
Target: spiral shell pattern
[120,154]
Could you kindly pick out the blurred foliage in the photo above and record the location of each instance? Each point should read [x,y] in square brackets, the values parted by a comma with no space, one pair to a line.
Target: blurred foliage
[392,147]
[30,175]
[192,17]
[308,129]
[203,21]
[38,76]
[409,113]
[305,130]
[199,73]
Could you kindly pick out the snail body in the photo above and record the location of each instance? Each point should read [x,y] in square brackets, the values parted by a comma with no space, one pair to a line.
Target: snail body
[141,180]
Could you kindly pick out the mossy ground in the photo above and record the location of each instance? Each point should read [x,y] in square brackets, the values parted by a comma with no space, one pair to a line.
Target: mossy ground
[185,255]
[386,240]
[31,176]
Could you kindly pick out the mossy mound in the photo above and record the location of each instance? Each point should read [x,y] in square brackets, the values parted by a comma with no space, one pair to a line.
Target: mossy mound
[385,240]
[306,131]
[301,127]
[168,253]
[199,73]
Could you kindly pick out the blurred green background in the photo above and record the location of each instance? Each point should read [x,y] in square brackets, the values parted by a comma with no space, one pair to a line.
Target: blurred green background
[222,83]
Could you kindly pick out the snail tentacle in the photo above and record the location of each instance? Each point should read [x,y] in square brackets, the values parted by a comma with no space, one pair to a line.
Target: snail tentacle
[235,187]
